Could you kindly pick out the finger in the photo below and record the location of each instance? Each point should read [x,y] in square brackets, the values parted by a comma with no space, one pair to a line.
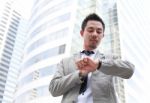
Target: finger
[79,65]
[85,60]
[90,60]
[78,62]
[83,63]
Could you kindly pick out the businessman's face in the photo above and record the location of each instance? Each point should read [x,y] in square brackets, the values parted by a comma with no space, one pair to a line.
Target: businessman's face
[92,34]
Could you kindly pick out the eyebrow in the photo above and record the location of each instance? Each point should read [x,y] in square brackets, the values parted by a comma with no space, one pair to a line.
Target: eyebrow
[96,28]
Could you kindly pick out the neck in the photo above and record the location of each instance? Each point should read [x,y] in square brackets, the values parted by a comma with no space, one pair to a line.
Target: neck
[90,49]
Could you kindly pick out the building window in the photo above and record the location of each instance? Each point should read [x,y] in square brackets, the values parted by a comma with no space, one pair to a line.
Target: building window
[46,54]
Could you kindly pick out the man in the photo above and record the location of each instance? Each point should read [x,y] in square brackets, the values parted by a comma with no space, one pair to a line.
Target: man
[87,77]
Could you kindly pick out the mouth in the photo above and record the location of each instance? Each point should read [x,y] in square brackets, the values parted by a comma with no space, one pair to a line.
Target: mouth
[93,41]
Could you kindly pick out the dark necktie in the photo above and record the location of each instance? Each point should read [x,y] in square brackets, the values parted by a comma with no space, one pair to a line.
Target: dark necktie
[84,79]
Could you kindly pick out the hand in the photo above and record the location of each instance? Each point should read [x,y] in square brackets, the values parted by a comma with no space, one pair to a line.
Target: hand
[87,65]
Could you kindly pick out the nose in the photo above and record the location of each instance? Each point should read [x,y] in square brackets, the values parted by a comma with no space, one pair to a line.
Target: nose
[94,33]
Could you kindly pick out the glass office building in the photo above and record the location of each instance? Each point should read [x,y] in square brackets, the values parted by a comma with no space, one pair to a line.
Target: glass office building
[11,48]
[127,36]
[49,40]
[134,39]
[111,42]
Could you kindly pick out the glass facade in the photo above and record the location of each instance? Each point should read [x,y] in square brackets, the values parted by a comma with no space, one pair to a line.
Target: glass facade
[111,42]
[47,43]
[44,55]
[50,37]
[135,47]
[11,46]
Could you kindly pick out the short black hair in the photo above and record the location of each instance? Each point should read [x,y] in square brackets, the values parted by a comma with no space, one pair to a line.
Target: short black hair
[92,16]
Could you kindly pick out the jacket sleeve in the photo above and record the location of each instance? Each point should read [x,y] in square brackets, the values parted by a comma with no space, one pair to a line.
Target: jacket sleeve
[62,82]
[112,65]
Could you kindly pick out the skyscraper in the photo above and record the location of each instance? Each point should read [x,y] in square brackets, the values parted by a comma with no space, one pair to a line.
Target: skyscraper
[126,35]
[11,46]
[49,40]
[111,43]
[134,39]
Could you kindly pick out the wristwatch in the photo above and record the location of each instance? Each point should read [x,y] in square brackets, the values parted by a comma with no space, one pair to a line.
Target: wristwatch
[99,65]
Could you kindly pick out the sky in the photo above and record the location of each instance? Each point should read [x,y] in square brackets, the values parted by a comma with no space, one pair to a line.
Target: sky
[23,7]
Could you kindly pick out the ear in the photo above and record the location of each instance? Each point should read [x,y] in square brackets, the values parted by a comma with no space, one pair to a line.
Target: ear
[81,32]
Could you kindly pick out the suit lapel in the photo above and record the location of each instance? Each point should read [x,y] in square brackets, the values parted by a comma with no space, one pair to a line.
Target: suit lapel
[72,65]
[99,56]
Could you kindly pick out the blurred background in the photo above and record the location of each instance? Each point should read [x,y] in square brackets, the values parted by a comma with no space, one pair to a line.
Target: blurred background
[36,34]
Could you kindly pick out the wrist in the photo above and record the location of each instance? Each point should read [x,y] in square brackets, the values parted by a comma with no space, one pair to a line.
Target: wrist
[81,74]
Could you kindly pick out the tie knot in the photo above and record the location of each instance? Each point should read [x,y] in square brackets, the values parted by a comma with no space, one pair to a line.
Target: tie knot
[86,52]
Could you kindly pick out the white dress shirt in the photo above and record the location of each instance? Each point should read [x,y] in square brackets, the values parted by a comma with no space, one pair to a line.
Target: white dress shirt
[87,96]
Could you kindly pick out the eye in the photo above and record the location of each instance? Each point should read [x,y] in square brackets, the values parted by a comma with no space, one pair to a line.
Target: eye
[99,31]
[90,30]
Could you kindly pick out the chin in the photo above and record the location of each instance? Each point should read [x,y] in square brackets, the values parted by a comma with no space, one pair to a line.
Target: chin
[93,46]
